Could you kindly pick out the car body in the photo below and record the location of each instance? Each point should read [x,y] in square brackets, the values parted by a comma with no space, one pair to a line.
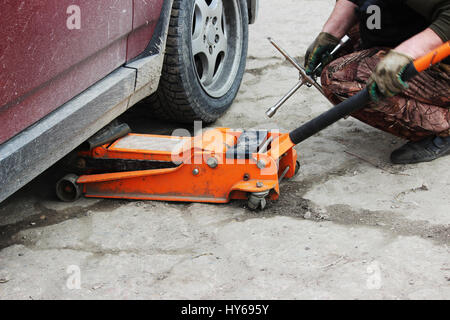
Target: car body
[56,69]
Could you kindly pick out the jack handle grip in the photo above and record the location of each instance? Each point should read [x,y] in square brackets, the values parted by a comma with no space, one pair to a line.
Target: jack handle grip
[361,99]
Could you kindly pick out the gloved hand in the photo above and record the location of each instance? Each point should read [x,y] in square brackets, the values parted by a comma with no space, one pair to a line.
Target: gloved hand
[387,77]
[319,52]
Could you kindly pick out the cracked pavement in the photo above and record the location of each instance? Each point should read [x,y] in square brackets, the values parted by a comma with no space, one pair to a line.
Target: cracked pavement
[349,226]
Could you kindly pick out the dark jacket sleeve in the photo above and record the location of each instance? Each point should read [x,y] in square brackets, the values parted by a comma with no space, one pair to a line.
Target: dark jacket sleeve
[436,11]
[357,2]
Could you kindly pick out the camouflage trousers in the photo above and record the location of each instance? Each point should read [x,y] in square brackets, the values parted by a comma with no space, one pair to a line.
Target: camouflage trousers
[420,111]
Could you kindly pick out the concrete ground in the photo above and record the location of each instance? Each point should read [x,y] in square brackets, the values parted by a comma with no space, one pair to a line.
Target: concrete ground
[349,226]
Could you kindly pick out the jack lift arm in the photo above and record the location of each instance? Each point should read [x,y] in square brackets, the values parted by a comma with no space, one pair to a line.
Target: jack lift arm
[214,167]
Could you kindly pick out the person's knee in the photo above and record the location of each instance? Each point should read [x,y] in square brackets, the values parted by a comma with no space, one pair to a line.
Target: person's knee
[348,74]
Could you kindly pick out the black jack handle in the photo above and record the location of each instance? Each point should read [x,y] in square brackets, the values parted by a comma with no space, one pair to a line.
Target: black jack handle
[361,99]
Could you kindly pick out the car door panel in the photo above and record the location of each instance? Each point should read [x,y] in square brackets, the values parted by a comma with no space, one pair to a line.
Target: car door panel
[145,18]
[43,64]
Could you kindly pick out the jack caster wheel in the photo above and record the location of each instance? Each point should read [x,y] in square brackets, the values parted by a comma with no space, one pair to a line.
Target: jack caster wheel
[67,189]
[297,168]
[257,200]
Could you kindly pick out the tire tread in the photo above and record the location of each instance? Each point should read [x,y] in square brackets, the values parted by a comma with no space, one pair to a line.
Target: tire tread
[171,101]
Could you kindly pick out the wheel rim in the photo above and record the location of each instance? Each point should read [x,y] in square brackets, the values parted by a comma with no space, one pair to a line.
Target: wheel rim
[216,44]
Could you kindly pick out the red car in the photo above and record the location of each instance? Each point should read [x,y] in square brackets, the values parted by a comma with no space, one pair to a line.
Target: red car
[69,67]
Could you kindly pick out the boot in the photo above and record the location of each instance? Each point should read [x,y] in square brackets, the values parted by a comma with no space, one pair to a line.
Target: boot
[424,150]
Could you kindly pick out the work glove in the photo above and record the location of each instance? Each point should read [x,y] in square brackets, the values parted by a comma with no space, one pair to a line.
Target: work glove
[319,52]
[386,80]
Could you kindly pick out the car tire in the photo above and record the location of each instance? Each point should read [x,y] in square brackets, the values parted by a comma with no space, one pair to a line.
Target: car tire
[199,37]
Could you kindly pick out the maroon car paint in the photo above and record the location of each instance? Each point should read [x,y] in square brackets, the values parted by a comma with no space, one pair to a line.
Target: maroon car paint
[43,64]
[146,14]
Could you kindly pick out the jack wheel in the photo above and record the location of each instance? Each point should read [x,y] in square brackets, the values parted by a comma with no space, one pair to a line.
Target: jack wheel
[257,200]
[297,168]
[67,189]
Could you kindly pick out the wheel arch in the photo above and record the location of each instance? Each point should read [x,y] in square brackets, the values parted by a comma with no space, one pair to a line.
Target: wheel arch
[253,6]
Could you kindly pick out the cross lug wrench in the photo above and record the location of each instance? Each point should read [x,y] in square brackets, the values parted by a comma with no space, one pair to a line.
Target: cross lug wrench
[304,78]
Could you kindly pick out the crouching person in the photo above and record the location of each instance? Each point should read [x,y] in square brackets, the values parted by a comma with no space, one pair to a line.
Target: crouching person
[386,35]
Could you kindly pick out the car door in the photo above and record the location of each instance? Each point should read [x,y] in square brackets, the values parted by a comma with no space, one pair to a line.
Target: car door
[146,14]
[52,50]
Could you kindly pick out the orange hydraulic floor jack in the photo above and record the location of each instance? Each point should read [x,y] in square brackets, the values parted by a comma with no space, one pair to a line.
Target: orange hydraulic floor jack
[215,167]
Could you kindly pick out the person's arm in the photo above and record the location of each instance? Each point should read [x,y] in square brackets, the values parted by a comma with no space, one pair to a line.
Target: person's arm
[387,77]
[342,19]
[437,11]
[420,44]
